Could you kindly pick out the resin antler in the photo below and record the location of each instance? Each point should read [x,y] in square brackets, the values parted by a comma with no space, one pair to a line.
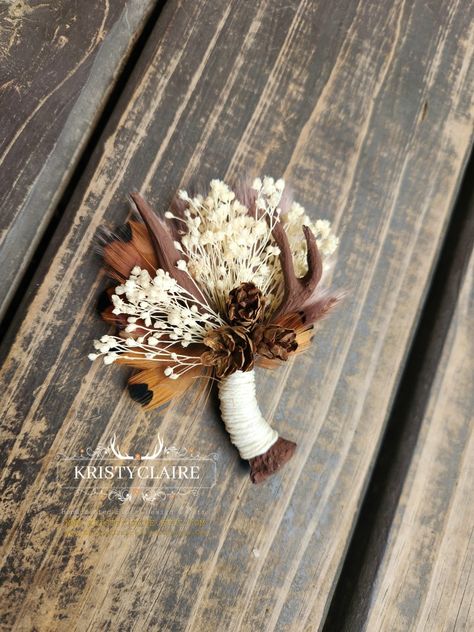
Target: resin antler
[167,254]
[297,291]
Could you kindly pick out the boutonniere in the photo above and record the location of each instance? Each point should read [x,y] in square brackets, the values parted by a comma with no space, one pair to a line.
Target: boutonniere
[218,285]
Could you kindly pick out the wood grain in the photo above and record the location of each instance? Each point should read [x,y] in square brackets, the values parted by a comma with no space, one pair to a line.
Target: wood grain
[58,63]
[426,579]
[350,102]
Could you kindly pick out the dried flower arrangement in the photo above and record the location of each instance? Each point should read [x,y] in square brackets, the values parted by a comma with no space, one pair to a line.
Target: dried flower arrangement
[221,284]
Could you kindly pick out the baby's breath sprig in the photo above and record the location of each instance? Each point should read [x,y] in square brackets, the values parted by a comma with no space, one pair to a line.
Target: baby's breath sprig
[223,243]
[164,314]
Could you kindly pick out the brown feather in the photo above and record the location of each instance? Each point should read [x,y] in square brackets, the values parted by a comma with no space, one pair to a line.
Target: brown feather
[128,247]
[268,363]
[319,307]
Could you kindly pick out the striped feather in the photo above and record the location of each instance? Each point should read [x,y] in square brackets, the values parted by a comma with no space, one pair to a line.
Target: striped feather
[152,388]
[128,246]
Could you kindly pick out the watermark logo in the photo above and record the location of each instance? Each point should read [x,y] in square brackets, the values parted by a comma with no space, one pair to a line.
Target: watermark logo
[164,471]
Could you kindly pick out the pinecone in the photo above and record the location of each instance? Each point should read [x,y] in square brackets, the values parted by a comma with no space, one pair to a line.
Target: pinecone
[245,305]
[230,349]
[273,341]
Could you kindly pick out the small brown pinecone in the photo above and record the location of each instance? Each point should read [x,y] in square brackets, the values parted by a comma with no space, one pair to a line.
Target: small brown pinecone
[230,350]
[273,341]
[245,305]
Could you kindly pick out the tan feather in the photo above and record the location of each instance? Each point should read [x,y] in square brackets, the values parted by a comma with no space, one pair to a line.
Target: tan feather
[152,388]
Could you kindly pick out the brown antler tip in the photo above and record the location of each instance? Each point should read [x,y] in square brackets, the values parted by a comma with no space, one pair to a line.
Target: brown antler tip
[315,264]
[264,465]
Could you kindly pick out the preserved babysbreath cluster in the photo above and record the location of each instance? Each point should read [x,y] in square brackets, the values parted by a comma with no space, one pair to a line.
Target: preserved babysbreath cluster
[219,285]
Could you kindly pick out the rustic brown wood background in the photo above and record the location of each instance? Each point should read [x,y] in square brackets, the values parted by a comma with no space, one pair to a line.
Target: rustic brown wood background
[58,64]
[366,108]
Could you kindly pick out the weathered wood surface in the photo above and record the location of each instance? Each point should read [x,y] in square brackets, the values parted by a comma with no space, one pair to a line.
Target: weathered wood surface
[426,578]
[350,102]
[58,62]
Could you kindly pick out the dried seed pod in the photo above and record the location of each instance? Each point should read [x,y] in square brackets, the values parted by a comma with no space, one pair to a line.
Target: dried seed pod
[230,349]
[273,341]
[245,305]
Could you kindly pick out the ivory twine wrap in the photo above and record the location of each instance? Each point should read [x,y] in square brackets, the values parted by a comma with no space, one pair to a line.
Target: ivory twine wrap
[248,430]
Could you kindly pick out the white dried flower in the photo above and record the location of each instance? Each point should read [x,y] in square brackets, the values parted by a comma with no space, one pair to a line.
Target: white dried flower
[223,245]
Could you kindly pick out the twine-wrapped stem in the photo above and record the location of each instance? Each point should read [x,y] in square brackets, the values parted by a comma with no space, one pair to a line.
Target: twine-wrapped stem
[251,434]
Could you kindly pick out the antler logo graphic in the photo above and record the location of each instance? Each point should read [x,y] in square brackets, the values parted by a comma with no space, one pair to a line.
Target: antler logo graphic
[157,451]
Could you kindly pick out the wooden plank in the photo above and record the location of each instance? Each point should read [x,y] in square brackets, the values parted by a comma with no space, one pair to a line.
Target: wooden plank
[58,62]
[350,103]
[426,579]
